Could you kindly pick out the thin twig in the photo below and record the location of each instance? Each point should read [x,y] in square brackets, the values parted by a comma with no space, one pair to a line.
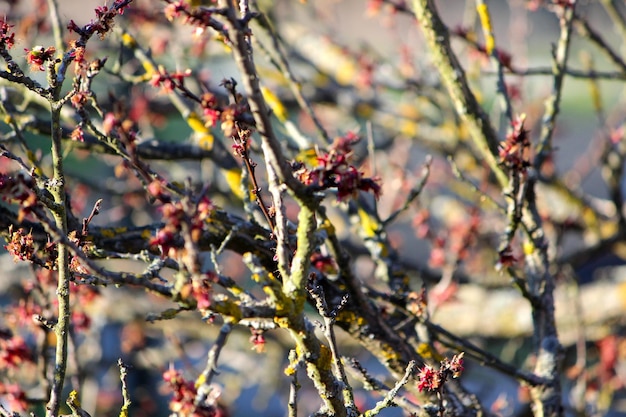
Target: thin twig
[125,394]
[552,105]
[282,64]
[585,29]
[329,315]
[374,384]
[237,35]
[294,385]
[391,394]
[453,77]
[204,380]
[413,194]
[57,27]
[490,46]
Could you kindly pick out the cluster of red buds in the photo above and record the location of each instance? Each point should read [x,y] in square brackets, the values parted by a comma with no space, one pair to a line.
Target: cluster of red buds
[210,109]
[84,70]
[38,56]
[453,244]
[21,245]
[505,258]
[13,352]
[257,339]
[235,118]
[184,395]
[115,123]
[104,20]
[199,17]
[514,152]
[174,216]
[7,37]
[231,114]
[335,171]
[169,81]
[176,9]
[201,290]
[19,190]
[324,263]
[431,379]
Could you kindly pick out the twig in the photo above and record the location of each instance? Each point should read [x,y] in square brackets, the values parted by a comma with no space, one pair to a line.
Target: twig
[413,194]
[55,19]
[374,384]
[453,77]
[237,36]
[282,64]
[463,345]
[490,47]
[6,413]
[57,189]
[242,139]
[552,105]
[125,395]
[94,212]
[74,404]
[203,383]
[108,276]
[573,73]
[294,385]
[329,316]
[618,18]
[483,195]
[391,395]
[460,344]
[280,231]
[585,29]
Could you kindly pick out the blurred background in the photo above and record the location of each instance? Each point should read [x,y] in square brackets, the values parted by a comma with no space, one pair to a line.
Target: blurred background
[366,69]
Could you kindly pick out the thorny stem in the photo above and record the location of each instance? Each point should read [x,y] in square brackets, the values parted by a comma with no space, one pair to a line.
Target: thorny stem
[463,345]
[242,142]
